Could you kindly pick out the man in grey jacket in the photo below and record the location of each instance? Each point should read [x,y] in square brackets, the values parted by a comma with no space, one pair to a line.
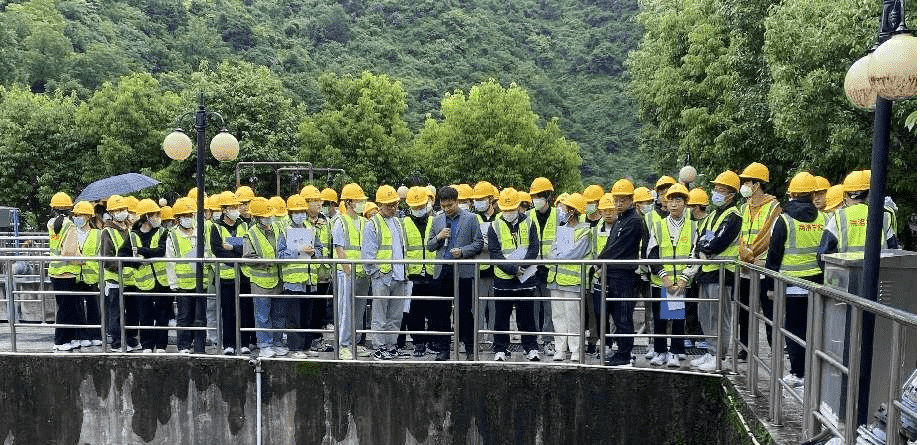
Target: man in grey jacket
[454,234]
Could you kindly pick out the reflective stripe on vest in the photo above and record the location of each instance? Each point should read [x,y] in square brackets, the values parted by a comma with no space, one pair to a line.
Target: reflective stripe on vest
[852,222]
[507,241]
[185,271]
[117,240]
[416,246]
[547,236]
[264,276]
[572,274]
[667,249]
[353,240]
[159,267]
[89,272]
[485,237]
[385,247]
[600,238]
[144,275]
[227,271]
[751,224]
[730,252]
[802,239]
[57,268]
[300,273]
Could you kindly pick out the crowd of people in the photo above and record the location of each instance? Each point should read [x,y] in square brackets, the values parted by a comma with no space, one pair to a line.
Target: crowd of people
[737,220]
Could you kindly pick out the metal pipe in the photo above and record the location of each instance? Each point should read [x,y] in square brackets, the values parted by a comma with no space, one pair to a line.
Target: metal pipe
[456,336]
[735,327]
[776,368]
[720,309]
[236,307]
[257,364]
[894,380]
[814,337]
[602,325]
[753,346]
[352,303]
[582,310]
[121,308]
[853,368]
[475,308]
[10,304]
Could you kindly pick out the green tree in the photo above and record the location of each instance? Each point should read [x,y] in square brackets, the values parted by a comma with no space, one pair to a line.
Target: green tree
[492,134]
[360,129]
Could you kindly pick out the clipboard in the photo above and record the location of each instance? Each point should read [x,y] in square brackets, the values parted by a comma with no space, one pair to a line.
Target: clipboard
[672,310]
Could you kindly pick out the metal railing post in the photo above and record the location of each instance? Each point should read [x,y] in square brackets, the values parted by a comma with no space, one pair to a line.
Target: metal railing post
[336,317]
[456,312]
[353,306]
[602,326]
[776,362]
[720,310]
[753,332]
[814,338]
[853,375]
[101,305]
[236,307]
[475,310]
[894,413]
[11,303]
[121,308]
[582,310]
[735,326]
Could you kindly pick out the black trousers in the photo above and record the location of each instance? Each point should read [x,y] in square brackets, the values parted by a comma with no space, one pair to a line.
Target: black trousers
[420,311]
[796,323]
[69,310]
[661,327]
[525,319]
[90,314]
[114,312]
[441,310]
[191,314]
[300,316]
[228,313]
[154,311]
[766,307]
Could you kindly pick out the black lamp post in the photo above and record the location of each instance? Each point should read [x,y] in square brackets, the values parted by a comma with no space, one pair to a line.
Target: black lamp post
[888,73]
[178,146]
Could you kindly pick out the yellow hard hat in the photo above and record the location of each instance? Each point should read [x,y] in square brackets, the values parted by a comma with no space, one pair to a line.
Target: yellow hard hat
[370,207]
[260,207]
[576,201]
[212,202]
[593,192]
[756,171]
[192,193]
[821,183]
[115,202]
[61,200]
[483,189]
[509,199]
[834,197]
[146,206]
[386,194]
[802,182]
[298,202]
[132,204]
[664,181]
[677,189]
[642,194]
[698,196]
[83,208]
[539,185]
[166,213]
[353,191]
[525,197]
[623,188]
[464,191]
[310,193]
[856,181]
[416,196]
[560,198]
[606,202]
[183,206]
[244,193]
[278,205]
[228,198]
[329,195]
[729,179]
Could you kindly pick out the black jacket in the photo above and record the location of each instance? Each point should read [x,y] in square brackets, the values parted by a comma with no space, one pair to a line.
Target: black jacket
[724,235]
[623,243]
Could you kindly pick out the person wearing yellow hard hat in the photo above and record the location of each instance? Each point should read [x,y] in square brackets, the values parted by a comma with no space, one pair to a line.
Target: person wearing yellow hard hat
[244,194]
[384,239]
[148,240]
[464,196]
[758,213]
[526,202]
[793,252]
[569,278]
[833,200]
[845,228]
[820,193]
[226,241]
[718,240]
[111,243]
[599,234]
[545,217]
[484,207]
[167,217]
[132,210]
[697,206]
[88,280]
[63,241]
[515,236]
[592,194]
[484,201]
[180,243]
[347,233]
[673,237]
[330,203]
[623,243]
[661,187]
[417,226]
[643,201]
[269,309]
[698,203]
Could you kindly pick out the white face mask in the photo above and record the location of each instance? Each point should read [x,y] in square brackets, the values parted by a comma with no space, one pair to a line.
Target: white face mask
[324,210]
[481,205]
[646,208]
[590,208]
[464,206]
[298,218]
[216,216]
[419,213]
[186,222]
[120,215]
[718,198]
[154,221]
[510,216]
[746,191]
[266,221]
[359,207]
[79,221]
[538,203]
[233,214]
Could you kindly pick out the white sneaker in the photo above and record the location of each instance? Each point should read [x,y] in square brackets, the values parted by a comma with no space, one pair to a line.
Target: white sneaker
[793,381]
[575,357]
[130,348]
[559,356]
[533,355]
[280,351]
[266,352]
[159,351]
[62,348]
[185,351]
[345,353]
[688,343]
[97,342]
[147,351]
[74,344]
[245,350]
[500,357]
[702,359]
[659,359]
[681,356]
[85,343]
[709,365]
[363,351]
[673,361]
[229,350]
[702,344]
[650,354]
[299,355]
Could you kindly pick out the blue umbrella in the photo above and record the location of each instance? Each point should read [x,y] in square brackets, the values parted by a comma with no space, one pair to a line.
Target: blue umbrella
[116,185]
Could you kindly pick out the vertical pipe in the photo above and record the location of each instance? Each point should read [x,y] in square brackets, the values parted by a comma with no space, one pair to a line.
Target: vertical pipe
[258,364]
[336,317]
[815,338]
[602,325]
[10,303]
[121,308]
[101,306]
[217,306]
[582,347]
[456,311]
[352,305]
[853,377]
[894,380]
[476,326]
[779,339]
[201,125]
[720,339]
[753,332]
[735,327]
[236,307]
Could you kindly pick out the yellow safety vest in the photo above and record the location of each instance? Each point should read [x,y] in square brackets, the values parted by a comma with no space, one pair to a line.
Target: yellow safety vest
[58,268]
[89,272]
[385,249]
[159,267]
[227,271]
[126,272]
[751,224]
[353,240]
[668,249]
[508,242]
[484,266]
[300,273]
[263,276]
[802,240]
[144,277]
[572,274]
[547,236]
[415,246]
[851,227]
[185,271]
[600,238]
[730,252]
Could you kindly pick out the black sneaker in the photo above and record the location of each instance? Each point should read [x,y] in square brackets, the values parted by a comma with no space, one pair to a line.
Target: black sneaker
[443,356]
[591,349]
[618,360]
[319,346]
[382,354]
[742,355]
[419,351]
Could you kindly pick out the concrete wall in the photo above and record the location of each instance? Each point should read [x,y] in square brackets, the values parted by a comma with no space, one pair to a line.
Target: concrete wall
[96,399]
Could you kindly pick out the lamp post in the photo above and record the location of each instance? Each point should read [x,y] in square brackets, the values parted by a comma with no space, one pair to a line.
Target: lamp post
[888,73]
[178,146]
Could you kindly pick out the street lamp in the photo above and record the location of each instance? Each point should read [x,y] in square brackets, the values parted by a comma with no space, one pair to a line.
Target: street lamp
[888,73]
[178,146]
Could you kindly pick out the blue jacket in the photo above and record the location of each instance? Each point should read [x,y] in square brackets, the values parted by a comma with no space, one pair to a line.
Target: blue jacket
[464,233]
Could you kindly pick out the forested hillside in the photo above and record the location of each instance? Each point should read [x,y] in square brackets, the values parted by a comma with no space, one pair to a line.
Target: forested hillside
[568,55]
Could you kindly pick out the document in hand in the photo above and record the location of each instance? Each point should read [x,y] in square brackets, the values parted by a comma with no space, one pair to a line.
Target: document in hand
[671,310]
[297,238]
